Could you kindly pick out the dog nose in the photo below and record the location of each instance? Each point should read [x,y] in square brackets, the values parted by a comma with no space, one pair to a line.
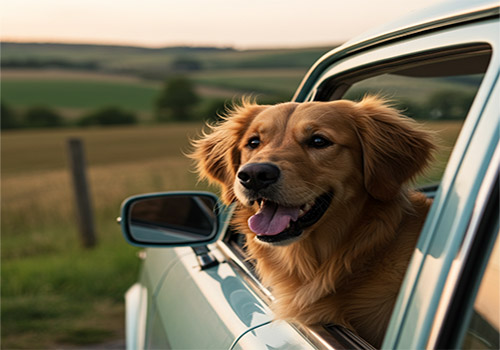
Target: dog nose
[257,176]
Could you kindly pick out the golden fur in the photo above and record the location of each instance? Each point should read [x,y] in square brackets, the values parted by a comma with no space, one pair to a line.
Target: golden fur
[347,268]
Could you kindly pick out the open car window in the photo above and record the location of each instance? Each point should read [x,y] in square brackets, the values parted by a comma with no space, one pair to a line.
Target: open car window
[435,89]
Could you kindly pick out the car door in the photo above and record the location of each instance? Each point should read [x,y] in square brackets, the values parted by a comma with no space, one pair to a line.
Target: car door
[212,308]
[206,308]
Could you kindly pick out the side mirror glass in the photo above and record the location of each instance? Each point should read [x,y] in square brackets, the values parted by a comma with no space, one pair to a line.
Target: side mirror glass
[171,219]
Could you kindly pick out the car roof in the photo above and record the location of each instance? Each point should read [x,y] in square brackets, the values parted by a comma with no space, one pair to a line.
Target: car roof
[446,14]
[442,14]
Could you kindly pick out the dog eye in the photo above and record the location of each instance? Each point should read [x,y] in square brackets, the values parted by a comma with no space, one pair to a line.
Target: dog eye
[254,142]
[317,141]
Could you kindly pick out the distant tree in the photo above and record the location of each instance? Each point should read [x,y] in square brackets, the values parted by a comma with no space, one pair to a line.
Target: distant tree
[42,117]
[176,101]
[108,116]
[185,64]
[450,104]
[9,118]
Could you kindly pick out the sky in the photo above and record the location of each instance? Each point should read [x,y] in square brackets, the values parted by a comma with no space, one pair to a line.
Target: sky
[157,23]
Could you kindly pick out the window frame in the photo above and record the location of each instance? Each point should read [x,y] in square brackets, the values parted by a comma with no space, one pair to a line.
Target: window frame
[428,45]
[334,87]
[457,303]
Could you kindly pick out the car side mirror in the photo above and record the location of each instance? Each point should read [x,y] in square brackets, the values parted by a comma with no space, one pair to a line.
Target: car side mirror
[172,219]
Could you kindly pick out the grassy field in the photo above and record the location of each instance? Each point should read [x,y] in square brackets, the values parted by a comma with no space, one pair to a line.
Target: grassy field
[131,77]
[83,94]
[55,293]
[274,82]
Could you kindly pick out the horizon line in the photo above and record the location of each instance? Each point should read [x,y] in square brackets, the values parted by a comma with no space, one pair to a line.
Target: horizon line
[167,46]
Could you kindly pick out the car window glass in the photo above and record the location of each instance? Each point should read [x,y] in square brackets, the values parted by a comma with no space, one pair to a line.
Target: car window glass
[483,329]
[438,99]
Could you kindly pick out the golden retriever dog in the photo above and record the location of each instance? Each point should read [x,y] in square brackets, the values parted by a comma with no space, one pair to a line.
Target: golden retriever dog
[321,196]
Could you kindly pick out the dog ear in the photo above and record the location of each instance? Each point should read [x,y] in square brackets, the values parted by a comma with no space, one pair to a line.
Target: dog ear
[395,148]
[216,154]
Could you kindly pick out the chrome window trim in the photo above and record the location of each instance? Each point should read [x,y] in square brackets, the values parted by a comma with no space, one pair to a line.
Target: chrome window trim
[459,262]
[468,35]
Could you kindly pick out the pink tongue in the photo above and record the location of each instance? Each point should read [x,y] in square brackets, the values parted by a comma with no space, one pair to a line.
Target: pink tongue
[272,219]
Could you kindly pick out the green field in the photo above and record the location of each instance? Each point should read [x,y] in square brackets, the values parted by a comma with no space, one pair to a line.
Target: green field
[73,93]
[57,75]
[54,292]
[78,94]
[275,82]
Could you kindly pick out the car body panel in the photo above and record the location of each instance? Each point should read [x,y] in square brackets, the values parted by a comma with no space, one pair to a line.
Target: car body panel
[214,304]
[210,309]
[273,335]
[136,309]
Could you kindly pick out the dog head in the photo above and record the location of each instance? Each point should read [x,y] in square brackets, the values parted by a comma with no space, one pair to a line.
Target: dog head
[291,163]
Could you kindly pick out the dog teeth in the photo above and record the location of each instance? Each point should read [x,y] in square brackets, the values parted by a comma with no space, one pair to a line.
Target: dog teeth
[304,209]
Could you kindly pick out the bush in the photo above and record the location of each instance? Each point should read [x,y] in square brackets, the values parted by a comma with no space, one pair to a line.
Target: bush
[108,116]
[9,118]
[42,117]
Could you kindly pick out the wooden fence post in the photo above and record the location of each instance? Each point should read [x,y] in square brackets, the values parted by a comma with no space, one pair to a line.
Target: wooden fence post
[82,195]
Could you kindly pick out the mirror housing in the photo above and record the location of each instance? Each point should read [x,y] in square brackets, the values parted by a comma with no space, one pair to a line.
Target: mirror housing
[173,219]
